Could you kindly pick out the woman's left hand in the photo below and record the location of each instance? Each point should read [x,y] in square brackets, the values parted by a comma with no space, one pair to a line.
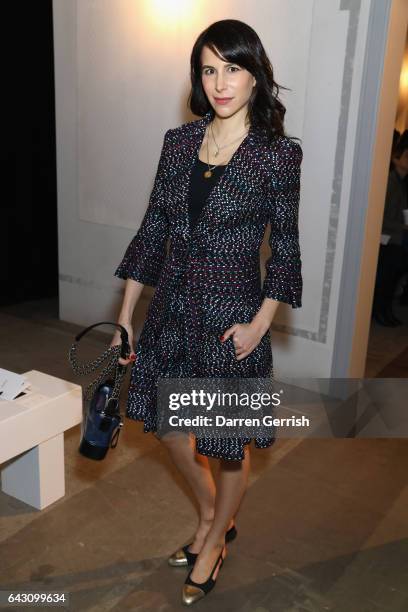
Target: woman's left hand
[245,336]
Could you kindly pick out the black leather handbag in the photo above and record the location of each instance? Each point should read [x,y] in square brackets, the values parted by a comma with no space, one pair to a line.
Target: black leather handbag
[102,420]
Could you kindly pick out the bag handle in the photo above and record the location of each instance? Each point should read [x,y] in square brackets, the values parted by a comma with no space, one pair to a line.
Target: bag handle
[123,335]
[113,353]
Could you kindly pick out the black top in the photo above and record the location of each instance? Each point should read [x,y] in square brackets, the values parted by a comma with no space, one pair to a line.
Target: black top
[200,187]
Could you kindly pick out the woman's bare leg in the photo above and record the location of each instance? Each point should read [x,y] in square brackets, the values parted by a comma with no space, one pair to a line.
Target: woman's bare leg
[232,484]
[196,470]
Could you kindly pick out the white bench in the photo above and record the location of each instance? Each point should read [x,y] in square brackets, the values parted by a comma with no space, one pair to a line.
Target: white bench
[32,437]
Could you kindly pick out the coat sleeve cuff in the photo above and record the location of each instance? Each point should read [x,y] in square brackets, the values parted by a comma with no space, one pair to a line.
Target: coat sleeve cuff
[141,265]
[283,285]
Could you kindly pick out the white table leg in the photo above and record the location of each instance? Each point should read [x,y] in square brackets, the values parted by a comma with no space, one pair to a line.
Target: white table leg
[37,476]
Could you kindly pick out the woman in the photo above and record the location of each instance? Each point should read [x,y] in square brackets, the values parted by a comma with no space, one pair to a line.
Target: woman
[221,180]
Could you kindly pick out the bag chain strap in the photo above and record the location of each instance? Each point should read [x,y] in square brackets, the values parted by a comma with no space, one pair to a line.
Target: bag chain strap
[113,353]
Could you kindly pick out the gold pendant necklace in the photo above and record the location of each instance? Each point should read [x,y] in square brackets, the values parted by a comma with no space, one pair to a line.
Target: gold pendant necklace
[228,143]
[208,173]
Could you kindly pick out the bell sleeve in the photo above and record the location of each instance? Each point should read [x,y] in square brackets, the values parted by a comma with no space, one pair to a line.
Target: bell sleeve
[145,255]
[283,279]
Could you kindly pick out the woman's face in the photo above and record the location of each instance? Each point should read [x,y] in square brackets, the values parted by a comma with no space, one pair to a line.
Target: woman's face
[227,86]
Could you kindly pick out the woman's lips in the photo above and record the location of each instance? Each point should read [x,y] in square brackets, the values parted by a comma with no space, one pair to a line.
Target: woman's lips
[222,100]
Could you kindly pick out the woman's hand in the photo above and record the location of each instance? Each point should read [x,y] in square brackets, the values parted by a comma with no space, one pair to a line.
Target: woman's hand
[245,336]
[117,340]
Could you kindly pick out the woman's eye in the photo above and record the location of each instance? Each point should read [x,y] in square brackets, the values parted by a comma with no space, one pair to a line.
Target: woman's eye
[232,68]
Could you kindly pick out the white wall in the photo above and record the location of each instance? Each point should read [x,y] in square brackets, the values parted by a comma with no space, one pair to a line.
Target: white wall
[122,79]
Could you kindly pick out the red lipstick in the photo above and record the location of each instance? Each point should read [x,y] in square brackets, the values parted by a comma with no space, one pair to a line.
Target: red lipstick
[222,100]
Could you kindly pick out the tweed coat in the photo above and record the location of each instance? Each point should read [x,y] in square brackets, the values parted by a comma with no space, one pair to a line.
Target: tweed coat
[208,277]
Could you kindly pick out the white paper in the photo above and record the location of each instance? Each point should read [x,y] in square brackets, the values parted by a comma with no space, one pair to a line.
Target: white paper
[11,384]
[385,238]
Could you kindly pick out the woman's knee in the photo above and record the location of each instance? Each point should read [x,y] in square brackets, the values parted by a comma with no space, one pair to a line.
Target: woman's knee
[175,439]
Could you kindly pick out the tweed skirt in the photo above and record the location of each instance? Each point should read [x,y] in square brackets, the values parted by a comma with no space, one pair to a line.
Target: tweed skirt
[172,355]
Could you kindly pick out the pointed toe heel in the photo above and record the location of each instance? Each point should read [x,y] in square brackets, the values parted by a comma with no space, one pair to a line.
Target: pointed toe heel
[194,591]
[184,558]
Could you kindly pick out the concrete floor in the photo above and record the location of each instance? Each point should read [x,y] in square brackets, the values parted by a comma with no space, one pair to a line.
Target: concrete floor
[323,525]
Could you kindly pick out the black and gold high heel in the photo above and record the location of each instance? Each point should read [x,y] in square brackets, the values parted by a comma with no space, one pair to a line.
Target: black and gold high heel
[193,591]
[184,558]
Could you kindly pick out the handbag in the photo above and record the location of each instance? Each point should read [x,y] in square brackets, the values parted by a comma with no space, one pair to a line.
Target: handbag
[102,419]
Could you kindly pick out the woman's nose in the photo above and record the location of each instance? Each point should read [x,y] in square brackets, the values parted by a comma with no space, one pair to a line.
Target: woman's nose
[220,83]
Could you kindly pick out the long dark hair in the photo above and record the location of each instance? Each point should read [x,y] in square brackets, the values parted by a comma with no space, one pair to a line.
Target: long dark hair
[238,43]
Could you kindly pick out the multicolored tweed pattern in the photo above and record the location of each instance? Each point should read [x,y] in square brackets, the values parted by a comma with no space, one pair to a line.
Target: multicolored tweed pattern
[208,277]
